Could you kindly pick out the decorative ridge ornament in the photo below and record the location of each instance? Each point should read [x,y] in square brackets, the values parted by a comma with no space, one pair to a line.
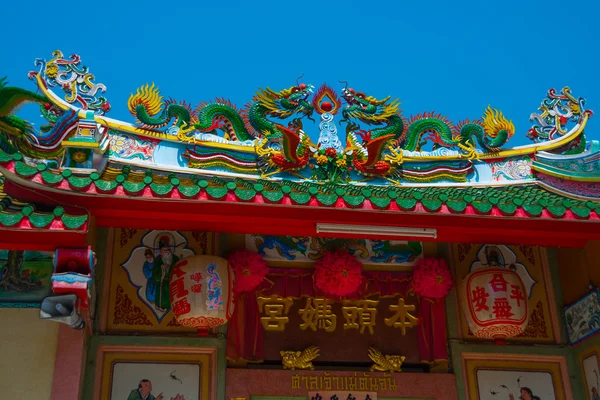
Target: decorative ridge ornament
[328,138]
[196,125]
[299,359]
[338,274]
[557,111]
[75,79]
[326,100]
[172,142]
[385,363]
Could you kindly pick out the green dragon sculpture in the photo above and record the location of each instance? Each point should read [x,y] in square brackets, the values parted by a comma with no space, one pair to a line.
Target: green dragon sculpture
[282,105]
[368,156]
[491,133]
[148,107]
[11,98]
[22,133]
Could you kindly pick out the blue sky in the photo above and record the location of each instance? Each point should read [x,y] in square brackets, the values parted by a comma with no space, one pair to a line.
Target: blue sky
[452,57]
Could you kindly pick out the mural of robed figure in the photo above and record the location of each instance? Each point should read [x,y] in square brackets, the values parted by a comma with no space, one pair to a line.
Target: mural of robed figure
[161,273]
[147,269]
[143,392]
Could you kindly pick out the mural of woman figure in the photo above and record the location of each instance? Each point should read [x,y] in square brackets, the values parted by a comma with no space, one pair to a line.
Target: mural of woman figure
[147,269]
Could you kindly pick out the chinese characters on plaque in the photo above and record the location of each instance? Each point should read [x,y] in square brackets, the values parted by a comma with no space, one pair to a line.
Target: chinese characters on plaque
[317,314]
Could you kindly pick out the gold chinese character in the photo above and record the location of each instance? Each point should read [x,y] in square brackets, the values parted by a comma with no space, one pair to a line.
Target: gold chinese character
[275,307]
[318,316]
[401,318]
[360,314]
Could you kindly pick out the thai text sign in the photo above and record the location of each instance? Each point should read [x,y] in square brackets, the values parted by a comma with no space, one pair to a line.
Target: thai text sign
[359,382]
[317,314]
[342,395]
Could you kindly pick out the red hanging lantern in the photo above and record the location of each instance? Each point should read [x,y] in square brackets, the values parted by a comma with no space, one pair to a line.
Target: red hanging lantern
[432,278]
[338,274]
[250,269]
[201,292]
[494,302]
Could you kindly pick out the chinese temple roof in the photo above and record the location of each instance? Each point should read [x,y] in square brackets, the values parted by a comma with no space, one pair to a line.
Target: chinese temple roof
[523,201]
[19,217]
[205,161]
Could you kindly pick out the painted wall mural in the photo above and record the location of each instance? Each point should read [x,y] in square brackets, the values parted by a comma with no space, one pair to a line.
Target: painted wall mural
[591,374]
[583,317]
[133,381]
[297,249]
[490,376]
[24,277]
[149,268]
[512,169]
[129,147]
[139,275]
[153,373]
[526,261]
[514,385]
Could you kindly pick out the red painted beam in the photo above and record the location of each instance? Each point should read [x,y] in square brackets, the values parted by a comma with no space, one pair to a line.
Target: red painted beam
[220,216]
[465,231]
[40,240]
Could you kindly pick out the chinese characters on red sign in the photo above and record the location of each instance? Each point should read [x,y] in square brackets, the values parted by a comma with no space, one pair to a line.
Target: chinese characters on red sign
[180,304]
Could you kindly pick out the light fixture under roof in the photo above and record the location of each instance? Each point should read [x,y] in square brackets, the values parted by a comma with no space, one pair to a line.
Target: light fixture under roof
[377,230]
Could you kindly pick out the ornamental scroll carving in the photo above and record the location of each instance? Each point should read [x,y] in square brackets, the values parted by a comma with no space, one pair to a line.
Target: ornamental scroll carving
[463,250]
[536,328]
[202,239]
[126,313]
[126,235]
[528,252]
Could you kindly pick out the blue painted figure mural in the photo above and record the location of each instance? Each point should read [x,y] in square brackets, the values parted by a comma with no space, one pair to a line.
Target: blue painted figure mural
[214,285]
[384,251]
[286,246]
[147,268]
